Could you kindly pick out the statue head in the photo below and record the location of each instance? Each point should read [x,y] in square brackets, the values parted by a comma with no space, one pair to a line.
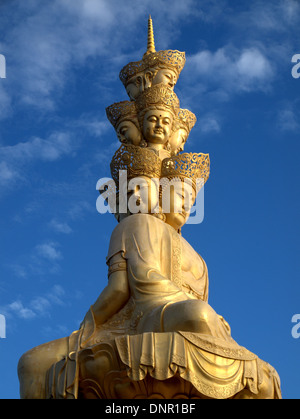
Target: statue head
[154,68]
[182,177]
[184,123]
[135,170]
[123,117]
[157,108]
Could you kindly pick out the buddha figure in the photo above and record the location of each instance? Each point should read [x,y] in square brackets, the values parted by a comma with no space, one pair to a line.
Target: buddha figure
[139,192]
[184,123]
[123,117]
[157,109]
[153,320]
[151,333]
[155,67]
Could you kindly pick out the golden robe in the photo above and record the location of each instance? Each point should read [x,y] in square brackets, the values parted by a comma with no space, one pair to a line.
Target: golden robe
[162,269]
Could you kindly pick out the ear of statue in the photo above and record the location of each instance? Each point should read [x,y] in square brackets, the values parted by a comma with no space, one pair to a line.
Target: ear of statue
[148,79]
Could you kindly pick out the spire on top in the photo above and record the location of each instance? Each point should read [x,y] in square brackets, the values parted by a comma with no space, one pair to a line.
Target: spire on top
[150,44]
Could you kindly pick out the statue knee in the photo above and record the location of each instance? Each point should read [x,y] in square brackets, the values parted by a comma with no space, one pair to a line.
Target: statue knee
[200,314]
[267,387]
[28,376]
[34,364]
[27,363]
[192,315]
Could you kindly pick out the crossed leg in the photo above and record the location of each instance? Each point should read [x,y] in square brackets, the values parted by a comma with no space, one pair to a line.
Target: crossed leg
[34,364]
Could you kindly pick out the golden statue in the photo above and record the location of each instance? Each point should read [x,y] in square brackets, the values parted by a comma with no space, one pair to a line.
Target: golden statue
[151,333]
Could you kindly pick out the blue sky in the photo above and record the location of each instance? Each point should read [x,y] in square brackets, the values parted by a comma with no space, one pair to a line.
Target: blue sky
[62,64]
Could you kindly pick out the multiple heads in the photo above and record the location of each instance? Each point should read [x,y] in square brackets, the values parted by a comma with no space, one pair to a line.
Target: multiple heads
[152,117]
[153,120]
[167,189]
[153,129]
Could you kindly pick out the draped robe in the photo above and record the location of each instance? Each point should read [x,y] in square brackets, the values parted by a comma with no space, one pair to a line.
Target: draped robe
[162,269]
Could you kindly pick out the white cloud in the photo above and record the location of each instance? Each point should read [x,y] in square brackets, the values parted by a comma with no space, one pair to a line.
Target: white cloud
[15,159]
[59,35]
[43,259]
[261,16]
[78,209]
[288,120]
[49,251]
[7,173]
[38,306]
[60,227]
[19,310]
[209,124]
[49,149]
[231,70]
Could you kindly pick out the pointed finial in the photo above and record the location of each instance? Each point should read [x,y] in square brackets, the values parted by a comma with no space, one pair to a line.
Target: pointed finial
[150,44]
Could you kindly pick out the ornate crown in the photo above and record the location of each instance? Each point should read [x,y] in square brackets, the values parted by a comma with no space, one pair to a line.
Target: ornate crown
[186,119]
[137,161]
[119,111]
[171,59]
[160,94]
[174,60]
[190,166]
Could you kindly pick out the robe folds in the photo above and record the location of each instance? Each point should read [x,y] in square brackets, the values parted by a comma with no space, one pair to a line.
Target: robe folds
[162,269]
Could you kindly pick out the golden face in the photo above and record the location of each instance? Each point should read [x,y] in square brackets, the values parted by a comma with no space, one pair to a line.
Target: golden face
[128,133]
[165,76]
[157,126]
[181,197]
[178,139]
[144,197]
[135,86]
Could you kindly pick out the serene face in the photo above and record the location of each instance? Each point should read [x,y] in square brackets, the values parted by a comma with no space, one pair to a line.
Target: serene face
[144,197]
[157,126]
[128,133]
[135,86]
[182,197]
[178,140]
[165,76]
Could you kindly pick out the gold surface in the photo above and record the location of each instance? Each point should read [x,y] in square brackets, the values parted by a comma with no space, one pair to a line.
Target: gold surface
[151,333]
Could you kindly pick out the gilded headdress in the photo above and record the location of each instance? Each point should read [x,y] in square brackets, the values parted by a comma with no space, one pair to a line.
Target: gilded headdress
[171,59]
[158,95]
[120,111]
[186,119]
[194,167]
[137,161]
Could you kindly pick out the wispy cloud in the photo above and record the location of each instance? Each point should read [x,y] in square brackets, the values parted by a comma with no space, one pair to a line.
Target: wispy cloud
[43,259]
[38,306]
[276,17]
[15,158]
[60,227]
[17,308]
[55,36]
[230,71]
[209,123]
[289,119]
[49,149]
[49,251]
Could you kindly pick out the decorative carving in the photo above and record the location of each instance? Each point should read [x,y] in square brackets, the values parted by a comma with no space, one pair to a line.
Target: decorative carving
[154,68]
[190,167]
[137,161]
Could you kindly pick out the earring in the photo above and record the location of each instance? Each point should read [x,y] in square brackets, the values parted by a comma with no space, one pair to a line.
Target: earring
[168,146]
[143,144]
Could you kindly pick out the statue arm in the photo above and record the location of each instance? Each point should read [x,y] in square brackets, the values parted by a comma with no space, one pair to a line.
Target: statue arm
[114,296]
